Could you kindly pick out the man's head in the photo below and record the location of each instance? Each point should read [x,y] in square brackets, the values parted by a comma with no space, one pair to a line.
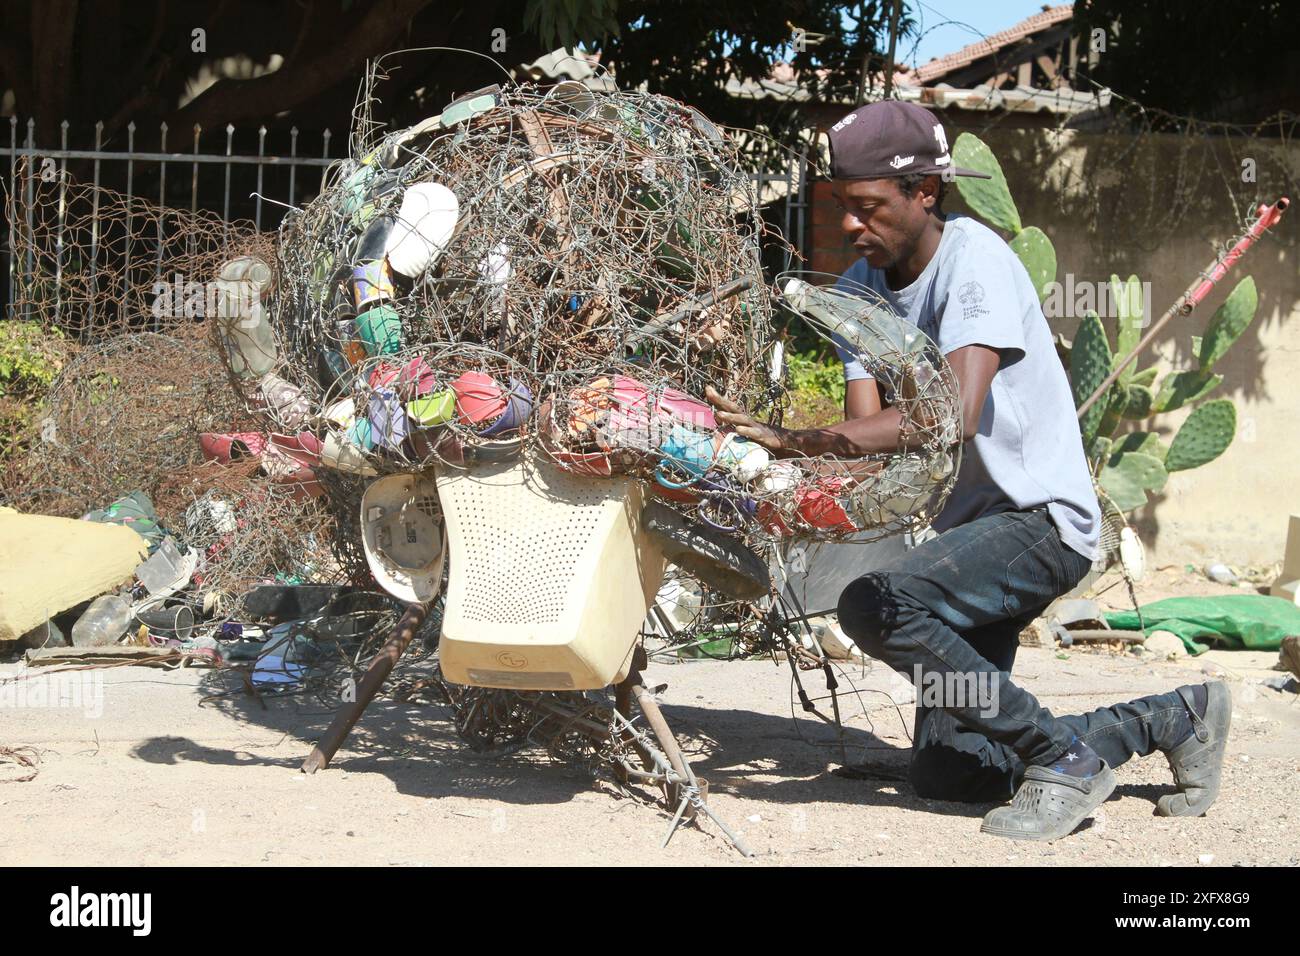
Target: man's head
[885,218]
[890,162]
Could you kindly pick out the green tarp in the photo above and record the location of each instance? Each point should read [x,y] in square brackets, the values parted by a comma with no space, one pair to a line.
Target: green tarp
[1237,621]
[135,511]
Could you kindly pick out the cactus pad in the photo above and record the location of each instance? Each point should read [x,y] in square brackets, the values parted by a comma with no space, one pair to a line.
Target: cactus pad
[1089,365]
[1204,436]
[1038,257]
[989,197]
[1182,388]
[1127,478]
[1229,321]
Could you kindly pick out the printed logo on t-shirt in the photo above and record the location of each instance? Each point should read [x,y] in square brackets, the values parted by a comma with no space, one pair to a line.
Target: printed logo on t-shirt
[970,296]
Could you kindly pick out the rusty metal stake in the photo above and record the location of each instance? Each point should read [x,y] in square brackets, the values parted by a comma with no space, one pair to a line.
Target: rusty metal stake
[381,665]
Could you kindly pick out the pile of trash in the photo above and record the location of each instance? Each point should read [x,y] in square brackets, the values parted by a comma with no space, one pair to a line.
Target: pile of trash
[120,585]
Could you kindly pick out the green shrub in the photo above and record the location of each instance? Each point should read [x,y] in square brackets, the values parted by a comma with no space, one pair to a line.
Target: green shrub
[30,360]
[816,390]
[822,376]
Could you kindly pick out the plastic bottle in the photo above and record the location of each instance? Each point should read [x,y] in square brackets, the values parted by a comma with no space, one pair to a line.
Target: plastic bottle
[244,323]
[868,330]
[106,620]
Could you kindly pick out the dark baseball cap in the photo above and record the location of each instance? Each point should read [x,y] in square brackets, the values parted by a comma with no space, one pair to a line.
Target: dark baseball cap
[891,138]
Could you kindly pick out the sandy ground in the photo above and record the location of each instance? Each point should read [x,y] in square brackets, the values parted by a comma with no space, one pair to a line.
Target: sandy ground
[158,777]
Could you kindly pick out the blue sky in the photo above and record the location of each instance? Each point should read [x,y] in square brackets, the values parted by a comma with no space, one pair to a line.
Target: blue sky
[974,19]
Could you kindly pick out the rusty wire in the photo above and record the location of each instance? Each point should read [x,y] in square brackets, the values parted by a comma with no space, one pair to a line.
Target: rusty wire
[97,263]
[124,414]
[599,270]
[129,283]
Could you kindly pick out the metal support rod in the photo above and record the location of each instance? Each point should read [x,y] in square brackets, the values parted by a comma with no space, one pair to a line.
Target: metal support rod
[381,665]
[654,716]
[657,325]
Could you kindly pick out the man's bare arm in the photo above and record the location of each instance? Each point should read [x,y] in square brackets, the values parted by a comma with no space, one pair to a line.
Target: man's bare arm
[862,398]
[973,365]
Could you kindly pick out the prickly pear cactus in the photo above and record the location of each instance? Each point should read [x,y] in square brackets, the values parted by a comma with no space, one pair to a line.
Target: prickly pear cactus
[1182,388]
[1038,257]
[1204,436]
[1229,321]
[989,197]
[1138,400]
[1129,476]
[1148,443]
[1089,365]
[1126,466]
[1129,320]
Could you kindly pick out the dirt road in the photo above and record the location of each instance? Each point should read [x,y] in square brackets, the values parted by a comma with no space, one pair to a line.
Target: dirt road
[150,776]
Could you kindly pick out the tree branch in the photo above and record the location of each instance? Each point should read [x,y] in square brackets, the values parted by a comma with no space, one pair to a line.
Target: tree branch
[229,101]
[53,24]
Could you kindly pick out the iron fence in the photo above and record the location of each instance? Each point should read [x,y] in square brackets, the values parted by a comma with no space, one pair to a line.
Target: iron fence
[784,190]
[29,163]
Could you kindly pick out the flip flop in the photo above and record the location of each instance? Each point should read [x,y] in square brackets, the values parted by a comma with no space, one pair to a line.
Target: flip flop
[304,447]
[285,401]
[519,405]
[339,453]
[479,397]
[426,222]
[372,282]
[677,404]
[436,409]
[388,422]
[819,505]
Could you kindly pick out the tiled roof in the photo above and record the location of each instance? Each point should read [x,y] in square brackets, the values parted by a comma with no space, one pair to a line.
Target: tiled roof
[936,69]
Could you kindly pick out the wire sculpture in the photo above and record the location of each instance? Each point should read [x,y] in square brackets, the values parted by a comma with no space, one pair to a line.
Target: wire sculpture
[559,275]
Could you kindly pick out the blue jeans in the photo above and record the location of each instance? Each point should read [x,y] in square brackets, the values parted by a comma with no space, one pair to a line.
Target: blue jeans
[955,606]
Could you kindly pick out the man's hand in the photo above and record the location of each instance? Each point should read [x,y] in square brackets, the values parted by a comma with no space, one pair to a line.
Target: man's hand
[744,424]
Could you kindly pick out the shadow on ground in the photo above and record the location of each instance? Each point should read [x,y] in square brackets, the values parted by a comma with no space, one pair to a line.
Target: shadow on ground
[751,755]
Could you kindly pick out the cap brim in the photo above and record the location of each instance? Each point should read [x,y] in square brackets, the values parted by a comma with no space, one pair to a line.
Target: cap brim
[932,171]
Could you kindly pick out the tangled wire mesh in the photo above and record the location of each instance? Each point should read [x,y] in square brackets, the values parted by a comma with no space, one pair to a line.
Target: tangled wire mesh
[560,274]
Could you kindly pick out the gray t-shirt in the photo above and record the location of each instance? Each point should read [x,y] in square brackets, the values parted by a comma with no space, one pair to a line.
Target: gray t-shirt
[1027,451]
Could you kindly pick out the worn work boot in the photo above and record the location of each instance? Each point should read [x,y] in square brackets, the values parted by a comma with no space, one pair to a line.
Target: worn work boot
[1197,762]
[1049,805]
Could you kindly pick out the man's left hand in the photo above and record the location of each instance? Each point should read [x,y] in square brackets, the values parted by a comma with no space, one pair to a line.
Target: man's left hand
[743,423]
